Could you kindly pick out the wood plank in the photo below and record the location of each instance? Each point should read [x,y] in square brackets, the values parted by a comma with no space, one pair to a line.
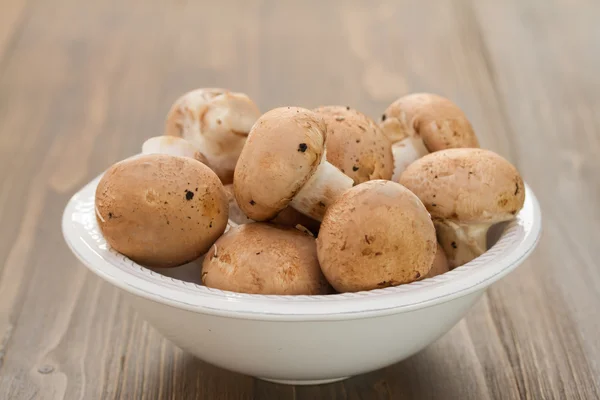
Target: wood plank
[12,20]
[552,114]
[82,84]
[101,116]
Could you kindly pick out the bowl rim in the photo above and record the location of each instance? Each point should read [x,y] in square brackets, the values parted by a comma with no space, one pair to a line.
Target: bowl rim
[83,237]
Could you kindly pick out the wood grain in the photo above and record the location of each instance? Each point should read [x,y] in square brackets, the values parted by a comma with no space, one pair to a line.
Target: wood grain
[83,83]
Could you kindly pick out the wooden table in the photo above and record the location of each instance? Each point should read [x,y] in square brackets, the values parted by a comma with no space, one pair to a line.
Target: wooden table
[83,83]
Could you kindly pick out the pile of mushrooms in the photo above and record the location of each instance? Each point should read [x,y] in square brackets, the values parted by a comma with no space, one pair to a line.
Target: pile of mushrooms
[308,202]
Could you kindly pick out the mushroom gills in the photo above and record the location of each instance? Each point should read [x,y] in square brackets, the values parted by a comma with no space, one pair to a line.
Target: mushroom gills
[405,152]
[321,189]
[461,242]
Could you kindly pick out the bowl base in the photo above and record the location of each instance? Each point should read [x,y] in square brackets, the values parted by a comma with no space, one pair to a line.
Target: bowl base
[301,382]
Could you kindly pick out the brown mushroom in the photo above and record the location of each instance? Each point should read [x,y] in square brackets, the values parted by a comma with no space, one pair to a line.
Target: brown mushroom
[283,163]
[216,122]
[261,258]
[466,191]
[161,210]
[375,235]
[356,145]
[421,123]
[286,217]
[440,263]
[172,145]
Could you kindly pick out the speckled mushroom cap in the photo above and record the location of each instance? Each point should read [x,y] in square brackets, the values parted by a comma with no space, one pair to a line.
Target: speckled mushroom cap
[261,258]
[356,145]
[283,150]
[161,210]
[377,234]
[440,123]
[466,185]
[172,145]
[217,122]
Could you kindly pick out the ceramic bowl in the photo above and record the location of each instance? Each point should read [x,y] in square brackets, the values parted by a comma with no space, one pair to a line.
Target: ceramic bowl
[298,339]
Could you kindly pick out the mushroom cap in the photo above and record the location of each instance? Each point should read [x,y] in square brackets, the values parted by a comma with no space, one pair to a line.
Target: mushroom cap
[161,210]
[174,146]
[376,234]
[440,263]
[466,185]
[217,122]
[356,145]
[261,258]
[440,123]
[283,150]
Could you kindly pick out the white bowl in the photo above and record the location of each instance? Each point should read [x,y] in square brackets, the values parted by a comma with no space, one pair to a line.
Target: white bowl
[299,339]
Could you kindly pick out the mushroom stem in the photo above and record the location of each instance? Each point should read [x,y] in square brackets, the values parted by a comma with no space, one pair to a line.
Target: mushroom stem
[405,152]
[462,242]
[321,189]
[230,225]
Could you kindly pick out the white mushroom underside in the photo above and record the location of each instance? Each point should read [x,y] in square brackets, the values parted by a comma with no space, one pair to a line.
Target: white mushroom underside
[321,189]
[405,152]
[230,225]
[462,242]
[167,145]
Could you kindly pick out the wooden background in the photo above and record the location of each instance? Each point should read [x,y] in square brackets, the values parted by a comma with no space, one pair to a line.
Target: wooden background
[83,83]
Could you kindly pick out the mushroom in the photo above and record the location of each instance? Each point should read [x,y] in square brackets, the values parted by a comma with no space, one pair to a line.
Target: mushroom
[286,217]
[289,216]
[261,258]
[235,213]
[161,210]
[421,123]
[283,163]
[466,191]
[356,145]
[216,122]
[172,145]
[440,264]
[375,235]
